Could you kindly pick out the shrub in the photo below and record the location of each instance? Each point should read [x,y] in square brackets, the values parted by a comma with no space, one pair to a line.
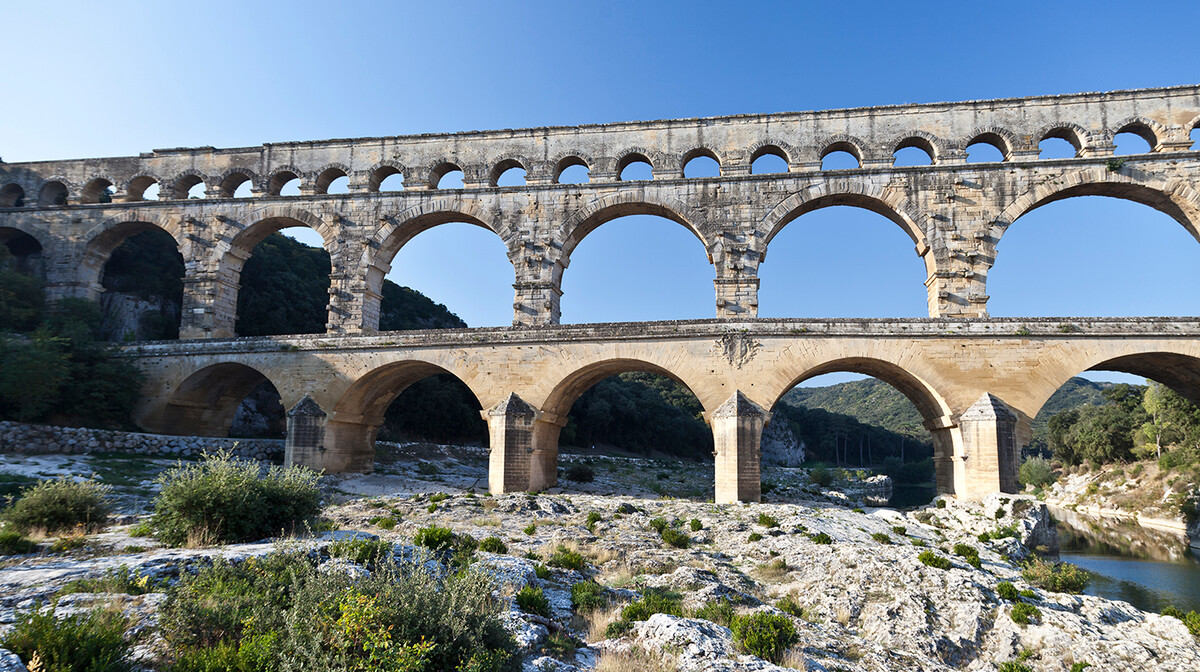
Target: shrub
[541,571]
[1036,471]
[1190,619]
[821,538]
[1058,577]
[361,550]
[931,559]
[821,476]
[121,581]
[764,634]
[1007,591]
[428,469]
[533,600]
[560,645]
[970,553]
[61,505]
[659,524]
[718,611]
[676,538]
[652,602]
[580,473]
[1079,666]
[566,558]
[788,605]
[754,536]
[1014,666]
[435,538]
[15,543]
[593,518]
[383,522]
[881,537]
[493,545]
[617,628]
[530,529]
[223,499]
[767,521]
[900,530]
[588,596]
[1023,613]
[941,504]
[695,525]
[142,529]
[92,641]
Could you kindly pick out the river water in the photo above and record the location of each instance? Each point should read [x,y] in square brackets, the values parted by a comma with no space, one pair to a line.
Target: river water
[1148,568]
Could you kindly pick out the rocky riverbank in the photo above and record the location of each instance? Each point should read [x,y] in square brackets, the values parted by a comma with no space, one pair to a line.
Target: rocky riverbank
[849,577]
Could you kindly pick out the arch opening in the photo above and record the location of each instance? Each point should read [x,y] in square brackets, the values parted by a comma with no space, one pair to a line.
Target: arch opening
[190,186]
[636,267]
[635,167]
[447,176]
[12,196]
[284,183]
[143,188]
[53,193]
[22,274]
[912,156]
[283,285]
[386,178]
[841,156]
[99,190]
[987,148]
[1134,139]
[858,416]
[508,173]
[769,159]
[235,185]
[572,170]
[1195,136]
[1064,239]
[1056,148]
[332,181]
[142,281]
[207,402]
[435,268]
[701,163]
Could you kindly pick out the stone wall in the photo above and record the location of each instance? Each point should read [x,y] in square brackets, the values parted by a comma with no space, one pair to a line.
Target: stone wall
[16,437]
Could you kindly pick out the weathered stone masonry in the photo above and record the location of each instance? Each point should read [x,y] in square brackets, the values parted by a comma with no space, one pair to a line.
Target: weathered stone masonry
[955,213]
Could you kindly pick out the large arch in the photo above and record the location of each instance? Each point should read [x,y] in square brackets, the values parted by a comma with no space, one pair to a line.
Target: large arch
[108,236]
[1178,370]
[204,403]
[583,221]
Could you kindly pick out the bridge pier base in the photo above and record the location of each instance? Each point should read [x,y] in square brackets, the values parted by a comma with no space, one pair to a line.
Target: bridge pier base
[510,440]
[737,428]
[989,450]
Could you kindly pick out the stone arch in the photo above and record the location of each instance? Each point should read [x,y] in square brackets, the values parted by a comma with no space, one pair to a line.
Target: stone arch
[280,177]
[569,159]
[135,188]
[878,200]
[12,195]
[24,238]
[1000,138]
[697,152]
[383,170]
[205,401]
[842,142]
[774,148]
[366,399]
[607,208]
[327,175]
[107,236]
[632,155]
[506,164]
[228,182]
[1079,137]
[442,168]
[53,191]
[182,183]
[1176,198]
[92,192]
[926,142]
[1147,129]
[276,218]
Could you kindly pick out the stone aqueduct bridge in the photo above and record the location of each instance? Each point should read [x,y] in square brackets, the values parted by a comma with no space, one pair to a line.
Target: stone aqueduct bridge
[955,212]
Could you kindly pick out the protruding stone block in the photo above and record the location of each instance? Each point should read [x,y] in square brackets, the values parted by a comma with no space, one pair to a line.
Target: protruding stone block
[305,442]
[510,434]
[737,428]
[989,449]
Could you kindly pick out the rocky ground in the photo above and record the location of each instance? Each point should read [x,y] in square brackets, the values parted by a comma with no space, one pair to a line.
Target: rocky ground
[861,602]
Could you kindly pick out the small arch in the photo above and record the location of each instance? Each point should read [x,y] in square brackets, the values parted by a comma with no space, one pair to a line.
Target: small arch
[700,162]
[841,155]
[769,158]
[1051,140]
[387,176]
[53,192]
[326,178]
[1134,139]
[12,196]
[99,190]
[142,188]
[1001,145]
[572,169]
[915,150]
[281,179]
[189,185]
[446,175]
[236,184]
[508,173]
[638,165]
[205,403]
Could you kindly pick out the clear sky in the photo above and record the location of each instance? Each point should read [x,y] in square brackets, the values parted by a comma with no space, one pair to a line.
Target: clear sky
[84,80]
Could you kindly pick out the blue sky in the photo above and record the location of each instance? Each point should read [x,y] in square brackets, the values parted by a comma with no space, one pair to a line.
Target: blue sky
[86,80]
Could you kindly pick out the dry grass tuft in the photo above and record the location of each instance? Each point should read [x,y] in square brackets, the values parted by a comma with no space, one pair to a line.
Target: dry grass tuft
[634,660]
[597,622]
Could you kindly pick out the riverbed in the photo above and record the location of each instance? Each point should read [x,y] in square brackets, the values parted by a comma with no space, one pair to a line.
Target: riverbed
[1149,568]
